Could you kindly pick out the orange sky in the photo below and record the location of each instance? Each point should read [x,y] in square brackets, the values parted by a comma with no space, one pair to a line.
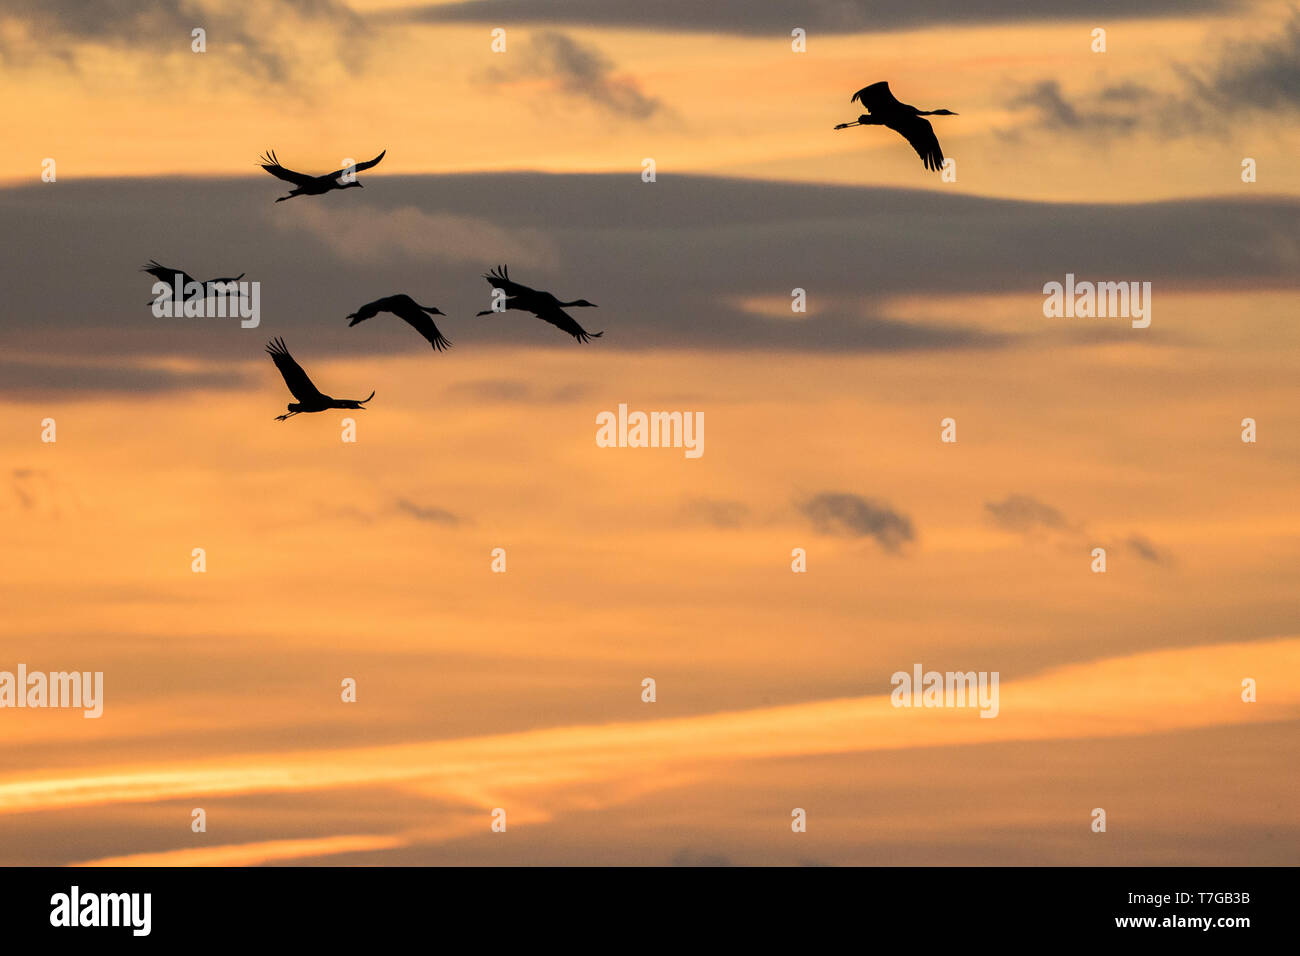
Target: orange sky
[328,560]
[439,99]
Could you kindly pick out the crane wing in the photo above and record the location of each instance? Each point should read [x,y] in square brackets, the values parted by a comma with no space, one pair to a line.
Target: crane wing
[358,166]
[422,323]
[164,274]
[876,98]
[299,384]
[499,278]
[920,134]
[367,311]
[562,320]
[272,166]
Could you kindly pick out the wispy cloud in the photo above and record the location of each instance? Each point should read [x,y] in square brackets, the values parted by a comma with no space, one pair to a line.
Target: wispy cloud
[1023,513]
[1182,688]
[1026,515]
[578,70]
[1145,550]
[1053,111]
[1247,78]
[255,854]
[426,513]
[408,234]
[256,37]
[849,515]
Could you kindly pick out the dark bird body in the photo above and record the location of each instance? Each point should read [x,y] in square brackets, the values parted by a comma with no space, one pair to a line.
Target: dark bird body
[541,304]
[409,311]
[164,274]
[310,398]
[884,110]
[307,185]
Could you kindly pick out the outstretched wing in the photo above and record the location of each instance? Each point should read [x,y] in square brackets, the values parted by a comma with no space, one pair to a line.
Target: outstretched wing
[164,274]
[562,320]
[876,98]
[499,278]
[920,134]
[272,166]
[368,311]
[358,166]
[418,319]
[299,384]
[224,279]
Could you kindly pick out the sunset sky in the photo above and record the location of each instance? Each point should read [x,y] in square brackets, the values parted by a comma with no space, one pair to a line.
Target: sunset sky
[372,560]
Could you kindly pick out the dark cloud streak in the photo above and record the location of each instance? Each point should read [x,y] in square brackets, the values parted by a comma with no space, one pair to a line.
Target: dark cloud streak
[37,380]
[249,35]
[1024,513]
[425,513]
[849,515]
[673,265]
[779,17]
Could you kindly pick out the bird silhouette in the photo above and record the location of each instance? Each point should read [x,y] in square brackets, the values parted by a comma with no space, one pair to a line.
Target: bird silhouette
[409,311]
[306,185]
[310,398]
[164,274]
[542,304]
[884,110]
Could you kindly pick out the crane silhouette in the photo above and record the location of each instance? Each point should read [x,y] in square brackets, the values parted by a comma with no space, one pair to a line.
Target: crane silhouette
[409,311]
[164,274]
[541,304]
[310,398]
[884,110]
[307,185]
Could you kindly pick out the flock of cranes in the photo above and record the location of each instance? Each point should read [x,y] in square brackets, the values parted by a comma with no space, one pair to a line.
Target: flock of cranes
[882,110]
[514,295]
